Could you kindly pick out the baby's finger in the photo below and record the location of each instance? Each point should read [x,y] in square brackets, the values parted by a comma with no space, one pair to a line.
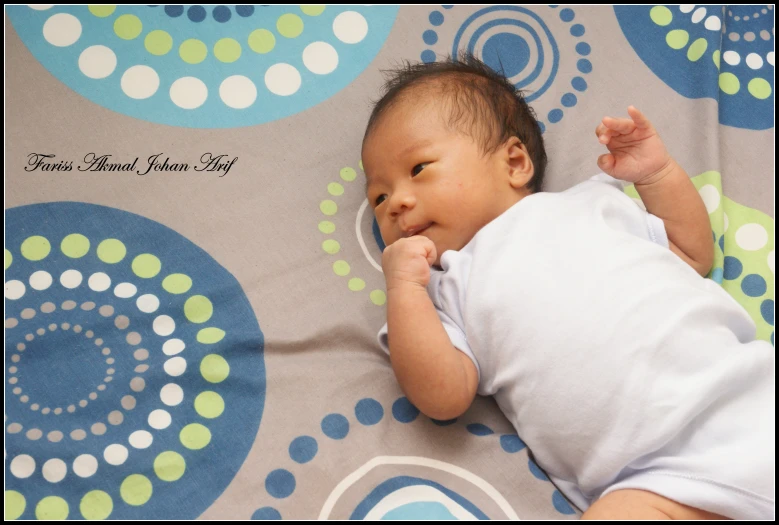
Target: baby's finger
[603,133]
[606,162]
[620,125]
[638,117]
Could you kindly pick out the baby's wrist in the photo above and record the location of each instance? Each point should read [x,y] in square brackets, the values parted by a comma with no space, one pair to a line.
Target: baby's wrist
[658,175]
[404,286]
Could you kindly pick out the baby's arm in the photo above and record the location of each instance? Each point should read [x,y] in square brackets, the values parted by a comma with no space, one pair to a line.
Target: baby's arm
[437,378]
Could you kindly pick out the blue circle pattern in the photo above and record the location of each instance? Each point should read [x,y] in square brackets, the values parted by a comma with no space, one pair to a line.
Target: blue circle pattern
[403,411]
[280,483]
[222,13]
[430,37]
[266,513]
[335,426]
[732,268]
[511,443]
[577,30]
[560,504]
[232,433]
[303,449]
[477,429]
[536,471]
[62,62]
[753,285]
[568,100]
[369,411]
[767,311]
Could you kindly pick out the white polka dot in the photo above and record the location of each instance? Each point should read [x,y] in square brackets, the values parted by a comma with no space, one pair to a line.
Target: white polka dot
[754,61]
[42,7]
[54,470]
[770,57]
[175,366]
[125,290]
[173,346]
[731,57]
[238,92]
[188,92]
[62,30]
[751,237]
[710,196]
[22,466]
[40,280]
[350,27]
[282,79]
[159,419]
[85,465]
[686,8]
[148,303]
[164,325]
[140,82]
[71,279]
[97,62]
[727,222]
[14,289]
[771,260]
[141,439]
[713,23]
[172,394]
[99,282]
[698,15]
[320,58]
[115,454]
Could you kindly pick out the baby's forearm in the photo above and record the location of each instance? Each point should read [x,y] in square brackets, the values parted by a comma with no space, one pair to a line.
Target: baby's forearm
[428,367]
[671,196]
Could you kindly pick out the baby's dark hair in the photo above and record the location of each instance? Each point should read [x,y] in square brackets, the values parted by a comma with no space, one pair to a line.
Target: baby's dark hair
[483,104]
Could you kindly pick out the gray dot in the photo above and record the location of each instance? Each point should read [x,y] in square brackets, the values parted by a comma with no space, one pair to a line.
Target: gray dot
[98,429]
[93,395]
[13,370]
[28,313]
[57,411]
[87,306]
[48,307]
[108,379]
[25,398]
[141,368]
[14,428]
[133,338]
[68,305]
[71,408]
[101,387]
[52,327]
[89,334]
[749,36]
[765,35]
[21,347]
[128,402]
[40,331]
[141,354]
[137,384]
[77,328]
[15,358]
[29,337]
[110,360]
[65,326]
[730,13]
[17,390]
[34,434]
[106,310]
[98,341]
[734,37]
[737,18]
[78,435]
[11,323]
[35,406]
[55,436]
[764,11]
[110,371]
[122,322]
[13,380]
[106,351]
[45,410]
[115,418]
[82,403]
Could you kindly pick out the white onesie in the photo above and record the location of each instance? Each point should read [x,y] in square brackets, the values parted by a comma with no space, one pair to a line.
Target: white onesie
[619,366]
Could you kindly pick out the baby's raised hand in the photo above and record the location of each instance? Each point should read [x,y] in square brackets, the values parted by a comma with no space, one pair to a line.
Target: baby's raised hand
[636,152]
[407,261]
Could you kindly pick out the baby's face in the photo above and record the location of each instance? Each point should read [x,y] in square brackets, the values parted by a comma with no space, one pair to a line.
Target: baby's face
[427,179]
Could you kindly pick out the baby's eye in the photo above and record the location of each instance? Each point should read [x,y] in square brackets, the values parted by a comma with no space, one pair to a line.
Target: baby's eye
[419,167]
[380,199]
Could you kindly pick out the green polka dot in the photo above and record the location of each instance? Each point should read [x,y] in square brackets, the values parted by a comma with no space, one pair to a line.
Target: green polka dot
[312,10]
[36,248]
[677,38]
[209,336]
[111,251]
[363,169]
[356,284]
[289,25]
[341,268]
[136,490]
[128,27]
[348,174]
[715,58]
[330,246]
[696,50]
[52,508]
[378,297]
[158,42]
[193,51]
[261,41]
[328,207]
[728,82]
[324,227]
[102,11]
[661,15]
[760,88]
[9,258]
[169,466]
[335,189]
[209,404]
[75,245]
[227,50]
[198,309]
[14,504]
[177,283]
[214,368]
[146,265]
[96,505]
[195,436]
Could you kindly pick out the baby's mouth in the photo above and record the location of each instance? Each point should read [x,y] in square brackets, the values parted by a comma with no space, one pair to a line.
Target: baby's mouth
[417,230]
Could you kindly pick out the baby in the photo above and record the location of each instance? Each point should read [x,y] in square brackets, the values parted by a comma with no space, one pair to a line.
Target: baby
[637,384]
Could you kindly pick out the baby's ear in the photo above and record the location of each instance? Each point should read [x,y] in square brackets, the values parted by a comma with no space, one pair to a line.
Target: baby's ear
[520,166]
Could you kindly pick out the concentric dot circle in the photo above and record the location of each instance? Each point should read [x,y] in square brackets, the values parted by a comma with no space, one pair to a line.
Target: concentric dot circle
[282,79]
[238,92]
[140,82]
[97,62]
[40,280]
[350,27]
[116,454]
[320,58]
[62,30]
[54,470]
